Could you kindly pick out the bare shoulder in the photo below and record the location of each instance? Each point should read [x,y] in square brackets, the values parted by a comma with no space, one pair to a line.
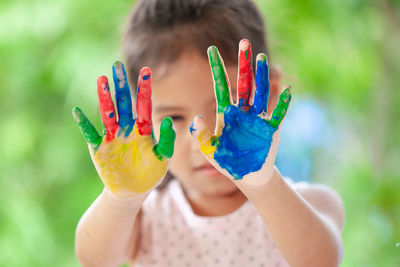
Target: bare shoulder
[325,200]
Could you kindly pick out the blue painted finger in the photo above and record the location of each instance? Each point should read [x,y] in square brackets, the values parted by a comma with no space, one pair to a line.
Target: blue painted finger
[122,96]
[262,85]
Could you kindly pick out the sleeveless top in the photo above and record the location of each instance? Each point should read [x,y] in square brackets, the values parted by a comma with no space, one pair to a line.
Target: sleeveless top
[173,235]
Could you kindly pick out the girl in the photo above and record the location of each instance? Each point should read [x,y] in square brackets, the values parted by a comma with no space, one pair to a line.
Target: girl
[227,205]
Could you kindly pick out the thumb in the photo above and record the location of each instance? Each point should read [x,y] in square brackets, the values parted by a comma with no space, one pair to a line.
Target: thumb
[165,146]
[206,140]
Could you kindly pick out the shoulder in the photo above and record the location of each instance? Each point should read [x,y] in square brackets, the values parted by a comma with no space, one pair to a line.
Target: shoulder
[325,200]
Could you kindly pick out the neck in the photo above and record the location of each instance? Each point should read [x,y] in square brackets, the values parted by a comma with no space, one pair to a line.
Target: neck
[211,205]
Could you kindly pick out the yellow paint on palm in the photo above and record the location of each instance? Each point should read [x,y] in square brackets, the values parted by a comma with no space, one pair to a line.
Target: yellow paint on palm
[220,124]
[206,144]
[130,166]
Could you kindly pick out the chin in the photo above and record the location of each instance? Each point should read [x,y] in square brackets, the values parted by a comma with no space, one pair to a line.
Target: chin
[217,186]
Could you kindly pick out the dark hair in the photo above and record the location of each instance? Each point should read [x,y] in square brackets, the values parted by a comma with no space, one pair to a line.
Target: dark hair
[159,31]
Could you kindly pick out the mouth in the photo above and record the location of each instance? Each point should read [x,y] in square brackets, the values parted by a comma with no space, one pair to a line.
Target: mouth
[207,170]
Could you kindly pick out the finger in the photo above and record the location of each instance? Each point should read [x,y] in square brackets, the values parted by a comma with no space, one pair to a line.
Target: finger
[165,146]
[245,76]
[221,81]
[143,104]
[262,85]
[280,110]
[122,95]
[199,129]
[107,110]
[88,130]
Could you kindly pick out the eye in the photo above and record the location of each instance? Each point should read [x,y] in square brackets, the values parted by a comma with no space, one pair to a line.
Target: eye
[177,118]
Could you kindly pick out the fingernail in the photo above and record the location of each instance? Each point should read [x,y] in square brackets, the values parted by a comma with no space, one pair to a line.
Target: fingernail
[244,44]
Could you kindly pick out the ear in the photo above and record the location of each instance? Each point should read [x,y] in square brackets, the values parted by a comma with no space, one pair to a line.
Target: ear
[275,81]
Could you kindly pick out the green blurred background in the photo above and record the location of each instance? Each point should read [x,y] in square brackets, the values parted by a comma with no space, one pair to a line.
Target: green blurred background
[345,54]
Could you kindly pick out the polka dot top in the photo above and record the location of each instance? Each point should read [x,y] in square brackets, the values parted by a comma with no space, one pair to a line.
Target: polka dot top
[173,235]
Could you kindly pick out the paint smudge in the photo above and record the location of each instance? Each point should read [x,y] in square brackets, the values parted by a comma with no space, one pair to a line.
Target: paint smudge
[191,129]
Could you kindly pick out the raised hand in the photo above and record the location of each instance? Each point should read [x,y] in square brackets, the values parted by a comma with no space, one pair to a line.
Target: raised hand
[126,156]
[245,140]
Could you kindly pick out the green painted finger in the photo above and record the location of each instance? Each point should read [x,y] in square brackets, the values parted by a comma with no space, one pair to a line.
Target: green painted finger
[221,82]
[165,146]
[280,109]
[88,130]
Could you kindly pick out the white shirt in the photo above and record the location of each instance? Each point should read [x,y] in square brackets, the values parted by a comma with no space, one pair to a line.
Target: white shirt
[173,235]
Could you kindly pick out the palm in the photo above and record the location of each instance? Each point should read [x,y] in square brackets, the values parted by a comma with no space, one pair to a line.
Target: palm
[244,143]
[126,156]
[128,164]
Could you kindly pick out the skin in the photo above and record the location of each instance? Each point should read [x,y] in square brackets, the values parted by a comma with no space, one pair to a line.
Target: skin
[130,163]
[290,213]
[126,156]
[243,135]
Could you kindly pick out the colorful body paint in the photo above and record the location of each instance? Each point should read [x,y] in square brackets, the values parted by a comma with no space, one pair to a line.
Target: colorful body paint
[123,98]
[245,75]
[244,144]
[126,157]
[262,85]
[130,165]
[88,130]
[281,108]
[165,146]
[143,105]
[220,78]
[107,110]
[243,135]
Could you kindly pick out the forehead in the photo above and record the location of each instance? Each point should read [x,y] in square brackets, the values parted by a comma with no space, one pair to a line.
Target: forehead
[186,83]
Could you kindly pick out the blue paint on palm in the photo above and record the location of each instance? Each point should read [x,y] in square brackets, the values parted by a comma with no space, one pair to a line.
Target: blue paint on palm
[245,142]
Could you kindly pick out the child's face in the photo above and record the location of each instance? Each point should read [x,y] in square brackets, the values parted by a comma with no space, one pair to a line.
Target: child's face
[184,92]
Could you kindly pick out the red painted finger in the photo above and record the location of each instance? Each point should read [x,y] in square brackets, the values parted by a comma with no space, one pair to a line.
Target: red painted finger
[143,104]
[245,75]
[107,109]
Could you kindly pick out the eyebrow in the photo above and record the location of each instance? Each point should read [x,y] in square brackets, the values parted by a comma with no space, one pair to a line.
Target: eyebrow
[168,108]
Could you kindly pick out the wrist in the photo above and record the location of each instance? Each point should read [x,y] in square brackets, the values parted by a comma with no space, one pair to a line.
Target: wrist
[272,184]
[132,201]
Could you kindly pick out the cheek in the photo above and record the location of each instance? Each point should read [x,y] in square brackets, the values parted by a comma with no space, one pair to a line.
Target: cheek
[179,164]
[156,130]
[182,142]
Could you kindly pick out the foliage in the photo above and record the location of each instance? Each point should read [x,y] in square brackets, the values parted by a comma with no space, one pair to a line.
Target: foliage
[342,53]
